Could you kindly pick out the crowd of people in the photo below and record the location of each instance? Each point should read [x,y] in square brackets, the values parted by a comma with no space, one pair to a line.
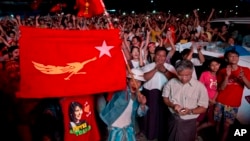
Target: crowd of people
[166,98]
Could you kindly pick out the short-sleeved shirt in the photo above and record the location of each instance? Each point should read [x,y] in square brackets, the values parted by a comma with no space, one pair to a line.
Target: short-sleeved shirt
[189,95]
[210,82]
[232,93]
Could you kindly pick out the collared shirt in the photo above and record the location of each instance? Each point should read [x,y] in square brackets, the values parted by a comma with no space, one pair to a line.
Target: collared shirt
[189,95]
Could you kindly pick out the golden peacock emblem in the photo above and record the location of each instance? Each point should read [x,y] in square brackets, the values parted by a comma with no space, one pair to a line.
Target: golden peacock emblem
[72,68]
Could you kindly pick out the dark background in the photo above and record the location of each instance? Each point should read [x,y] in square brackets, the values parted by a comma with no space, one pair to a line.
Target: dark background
[23,7]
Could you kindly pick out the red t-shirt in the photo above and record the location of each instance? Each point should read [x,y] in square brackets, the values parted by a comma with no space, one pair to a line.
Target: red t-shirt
[232,94]
[79,119]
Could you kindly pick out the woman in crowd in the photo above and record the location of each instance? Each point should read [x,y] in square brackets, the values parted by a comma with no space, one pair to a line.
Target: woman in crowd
[208,78]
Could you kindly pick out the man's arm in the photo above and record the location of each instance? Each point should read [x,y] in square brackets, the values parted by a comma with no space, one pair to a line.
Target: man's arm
[150,74]
[197,110]
[244,79]
[200,55]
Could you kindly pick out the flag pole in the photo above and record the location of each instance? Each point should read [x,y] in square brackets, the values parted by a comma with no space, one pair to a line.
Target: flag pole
[131,74]
[128,67]
[107,15]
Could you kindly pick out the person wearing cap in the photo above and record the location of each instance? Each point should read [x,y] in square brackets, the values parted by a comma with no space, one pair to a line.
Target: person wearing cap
[119,114]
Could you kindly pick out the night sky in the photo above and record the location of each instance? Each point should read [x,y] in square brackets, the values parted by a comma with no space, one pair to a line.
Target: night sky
[139,6]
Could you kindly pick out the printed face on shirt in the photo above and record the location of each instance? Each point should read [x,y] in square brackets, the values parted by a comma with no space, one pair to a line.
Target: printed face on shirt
[214,66]
[78,113]
[160,57]
[185,75]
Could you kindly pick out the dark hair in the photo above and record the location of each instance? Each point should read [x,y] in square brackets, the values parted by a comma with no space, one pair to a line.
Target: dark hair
[214,60]
[133,47]
[4,52]
[72,107]
[185,52]
[137,38]
[11,32]
[12,48]
[157,49]
[230,51]
[208,62]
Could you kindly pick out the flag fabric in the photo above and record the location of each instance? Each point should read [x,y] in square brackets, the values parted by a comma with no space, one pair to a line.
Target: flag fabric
[59,63]
[89,8]
[79,116]
[35,4]
[58,7]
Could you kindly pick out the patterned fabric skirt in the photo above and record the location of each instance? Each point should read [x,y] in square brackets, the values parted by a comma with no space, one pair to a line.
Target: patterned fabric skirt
[121,134]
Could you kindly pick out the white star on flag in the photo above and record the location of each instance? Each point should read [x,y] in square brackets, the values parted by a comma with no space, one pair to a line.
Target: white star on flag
[104,49]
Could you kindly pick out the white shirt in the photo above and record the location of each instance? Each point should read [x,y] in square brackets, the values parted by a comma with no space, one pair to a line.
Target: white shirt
[159,79]
[125,118]
[136,64]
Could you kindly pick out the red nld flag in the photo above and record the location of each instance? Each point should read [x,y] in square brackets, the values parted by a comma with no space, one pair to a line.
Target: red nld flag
[59,63]
[35,4]
[58,7]
[89,8]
